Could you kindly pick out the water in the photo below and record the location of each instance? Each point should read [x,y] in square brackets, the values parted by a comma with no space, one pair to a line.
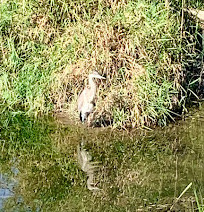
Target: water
[5,190]
[138,171]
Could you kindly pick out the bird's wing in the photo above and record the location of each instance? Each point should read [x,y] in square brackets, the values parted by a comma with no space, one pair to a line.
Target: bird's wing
[81,100]
[85,99]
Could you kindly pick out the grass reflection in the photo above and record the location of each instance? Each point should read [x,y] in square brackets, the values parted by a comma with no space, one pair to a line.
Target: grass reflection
[140,171]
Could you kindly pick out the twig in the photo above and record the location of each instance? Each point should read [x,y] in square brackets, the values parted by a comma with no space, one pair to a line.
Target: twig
[183,192]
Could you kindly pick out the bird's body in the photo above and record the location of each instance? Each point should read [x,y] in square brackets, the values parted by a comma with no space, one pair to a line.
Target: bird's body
[86,99]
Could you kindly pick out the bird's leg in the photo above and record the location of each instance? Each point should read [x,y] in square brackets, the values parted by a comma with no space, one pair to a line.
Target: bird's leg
[90,120]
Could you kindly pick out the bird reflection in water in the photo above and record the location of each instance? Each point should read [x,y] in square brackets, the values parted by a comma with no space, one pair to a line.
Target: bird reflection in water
[84,159]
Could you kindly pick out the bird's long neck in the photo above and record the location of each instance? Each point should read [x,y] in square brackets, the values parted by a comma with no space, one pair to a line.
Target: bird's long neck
[92,86]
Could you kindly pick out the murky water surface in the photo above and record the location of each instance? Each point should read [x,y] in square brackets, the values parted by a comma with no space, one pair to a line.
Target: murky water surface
[41,169]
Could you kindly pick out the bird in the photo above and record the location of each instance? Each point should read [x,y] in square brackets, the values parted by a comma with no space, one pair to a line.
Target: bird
[86,100]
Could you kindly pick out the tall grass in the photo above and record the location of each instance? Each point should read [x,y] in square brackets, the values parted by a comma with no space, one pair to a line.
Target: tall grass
[48,48]
[199,201]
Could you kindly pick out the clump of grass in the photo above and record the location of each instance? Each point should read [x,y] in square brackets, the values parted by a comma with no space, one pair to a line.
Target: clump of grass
[199,201]
[49,48]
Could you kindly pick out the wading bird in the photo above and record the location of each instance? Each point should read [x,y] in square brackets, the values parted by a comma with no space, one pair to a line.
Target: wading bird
[86,98]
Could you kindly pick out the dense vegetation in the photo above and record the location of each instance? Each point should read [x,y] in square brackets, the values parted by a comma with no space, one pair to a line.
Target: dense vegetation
[150,52]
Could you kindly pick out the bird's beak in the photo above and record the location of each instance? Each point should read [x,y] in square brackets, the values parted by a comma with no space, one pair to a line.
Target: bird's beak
[100,77]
